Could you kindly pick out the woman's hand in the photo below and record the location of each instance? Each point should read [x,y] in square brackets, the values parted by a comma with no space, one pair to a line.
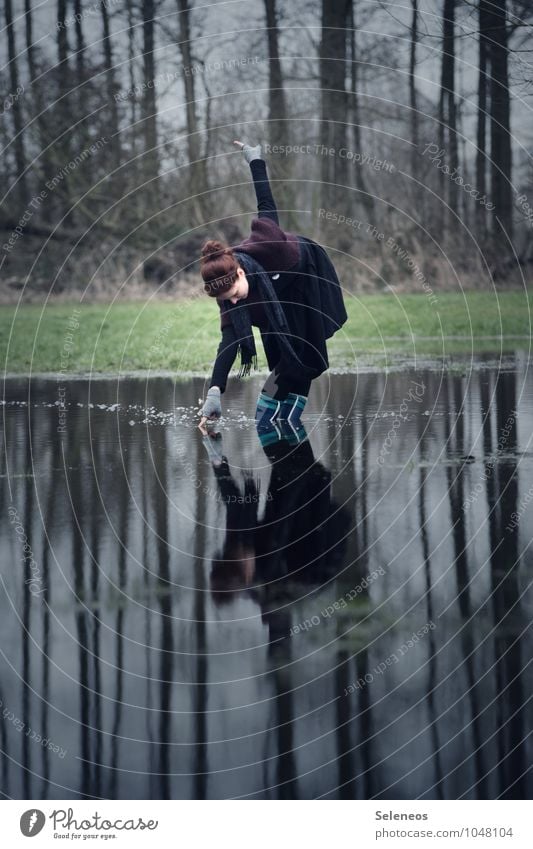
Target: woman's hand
[212,408]
[250,153]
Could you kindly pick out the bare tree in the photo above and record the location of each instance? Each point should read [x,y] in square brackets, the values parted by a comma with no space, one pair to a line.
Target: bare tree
[277,104]
[36,86]
[365,196]
[334,99]
[110,87]
[62,41]
[30,49]
[412,86]
[197,164]
[500,116]
[62,117]
[481,182]
[131,71]
[277,108]
[447,107]
[149,108]
[80,42]
[16,109]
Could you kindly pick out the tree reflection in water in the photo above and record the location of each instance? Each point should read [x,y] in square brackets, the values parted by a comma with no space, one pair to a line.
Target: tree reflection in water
[163,653]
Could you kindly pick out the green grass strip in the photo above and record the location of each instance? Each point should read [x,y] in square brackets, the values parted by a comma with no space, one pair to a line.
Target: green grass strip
[184,336]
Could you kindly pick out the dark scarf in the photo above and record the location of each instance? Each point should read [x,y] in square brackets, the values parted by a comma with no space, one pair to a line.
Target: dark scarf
[240,319]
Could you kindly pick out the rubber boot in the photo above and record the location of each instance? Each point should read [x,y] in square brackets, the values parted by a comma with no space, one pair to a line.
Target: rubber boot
[294,434]
[269,434]
[266,412]
[292,408]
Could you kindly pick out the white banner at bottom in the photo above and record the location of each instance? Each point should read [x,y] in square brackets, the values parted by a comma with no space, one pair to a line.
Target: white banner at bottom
[244,823]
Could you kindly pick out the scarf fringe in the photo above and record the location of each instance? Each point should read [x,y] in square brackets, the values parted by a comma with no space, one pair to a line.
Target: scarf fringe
[246,368]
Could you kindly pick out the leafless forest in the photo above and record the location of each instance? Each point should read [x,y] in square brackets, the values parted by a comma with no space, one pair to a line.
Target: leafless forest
[398,134]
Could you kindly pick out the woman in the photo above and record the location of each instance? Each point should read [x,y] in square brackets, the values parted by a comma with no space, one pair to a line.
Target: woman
[285,285]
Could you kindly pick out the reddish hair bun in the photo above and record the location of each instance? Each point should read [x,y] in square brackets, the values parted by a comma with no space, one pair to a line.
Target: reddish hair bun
[218,267]
[212,248]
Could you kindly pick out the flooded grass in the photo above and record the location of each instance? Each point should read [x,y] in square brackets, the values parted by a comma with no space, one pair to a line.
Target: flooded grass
[183,337]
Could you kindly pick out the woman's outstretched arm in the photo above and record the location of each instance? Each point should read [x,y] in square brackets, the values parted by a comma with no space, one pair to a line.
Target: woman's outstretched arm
[226,353]
[266,205]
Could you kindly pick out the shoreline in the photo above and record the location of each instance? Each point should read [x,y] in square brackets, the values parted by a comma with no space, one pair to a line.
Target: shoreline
[369,364]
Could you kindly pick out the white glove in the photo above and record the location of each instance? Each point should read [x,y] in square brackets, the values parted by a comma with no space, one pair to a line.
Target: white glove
[251,153]
[212,407]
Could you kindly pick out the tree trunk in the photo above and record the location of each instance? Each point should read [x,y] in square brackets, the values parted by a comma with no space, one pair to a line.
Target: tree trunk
[36,85]
[365,197]
[18,123]
[110,88]
[277,112]
[481,182]
[80,43]
[500,118]
[277,105]
[62,43]
[131,175]
[148,100]
[131,75]
[30,49]
[412,87]
[60,151]
[197,165]
[334,98]
[447,111]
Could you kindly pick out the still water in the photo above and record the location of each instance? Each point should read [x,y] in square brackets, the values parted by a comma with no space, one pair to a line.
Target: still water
[341,614]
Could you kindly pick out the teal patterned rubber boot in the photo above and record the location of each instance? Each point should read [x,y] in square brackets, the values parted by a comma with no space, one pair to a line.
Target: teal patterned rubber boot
[292,408]
[267,411]
[293,434]
[268,434]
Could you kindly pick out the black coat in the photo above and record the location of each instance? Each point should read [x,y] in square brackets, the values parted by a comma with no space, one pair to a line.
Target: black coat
[313,304]
[312,300]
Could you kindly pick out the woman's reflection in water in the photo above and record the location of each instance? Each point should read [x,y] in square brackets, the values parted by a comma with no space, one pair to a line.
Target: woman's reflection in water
[299,541]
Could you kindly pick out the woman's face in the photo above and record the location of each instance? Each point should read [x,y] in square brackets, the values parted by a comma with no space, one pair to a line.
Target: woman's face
[238,291]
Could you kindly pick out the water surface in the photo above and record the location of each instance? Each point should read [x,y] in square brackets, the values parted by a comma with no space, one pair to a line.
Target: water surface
[345,616]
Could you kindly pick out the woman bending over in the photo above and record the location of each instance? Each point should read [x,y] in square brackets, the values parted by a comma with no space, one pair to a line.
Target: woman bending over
[284,284]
